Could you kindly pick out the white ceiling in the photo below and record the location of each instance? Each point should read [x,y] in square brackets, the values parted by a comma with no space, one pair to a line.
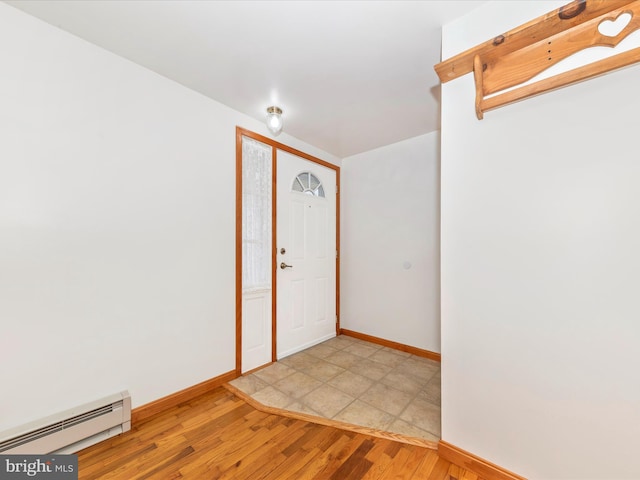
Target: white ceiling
[350,75]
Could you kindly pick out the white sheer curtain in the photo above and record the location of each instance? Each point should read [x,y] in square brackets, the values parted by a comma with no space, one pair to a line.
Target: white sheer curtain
[256,215]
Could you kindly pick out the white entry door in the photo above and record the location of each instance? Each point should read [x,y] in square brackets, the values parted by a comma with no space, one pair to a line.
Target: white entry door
[306,253]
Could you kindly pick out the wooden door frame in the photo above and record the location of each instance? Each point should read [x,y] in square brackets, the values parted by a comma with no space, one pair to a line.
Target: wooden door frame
[242,132]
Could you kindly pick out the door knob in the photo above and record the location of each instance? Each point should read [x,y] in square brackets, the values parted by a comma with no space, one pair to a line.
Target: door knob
[284,265]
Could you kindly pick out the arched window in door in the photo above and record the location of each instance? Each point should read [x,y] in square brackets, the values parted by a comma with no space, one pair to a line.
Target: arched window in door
[308,183]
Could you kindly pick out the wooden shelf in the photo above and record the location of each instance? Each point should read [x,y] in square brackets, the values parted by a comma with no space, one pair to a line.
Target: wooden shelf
[502,65]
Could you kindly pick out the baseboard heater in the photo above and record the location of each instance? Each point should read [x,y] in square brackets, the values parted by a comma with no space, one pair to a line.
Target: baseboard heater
[71,430]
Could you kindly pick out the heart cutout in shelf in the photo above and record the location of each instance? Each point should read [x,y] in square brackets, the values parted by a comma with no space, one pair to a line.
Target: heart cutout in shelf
[612,28]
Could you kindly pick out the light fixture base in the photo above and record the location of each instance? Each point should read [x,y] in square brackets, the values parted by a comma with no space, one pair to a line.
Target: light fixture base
[274,120]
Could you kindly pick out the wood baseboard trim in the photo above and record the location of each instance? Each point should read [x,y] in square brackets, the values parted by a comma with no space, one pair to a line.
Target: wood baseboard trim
[397,437]
[149,409]
[391,344]
[471,462]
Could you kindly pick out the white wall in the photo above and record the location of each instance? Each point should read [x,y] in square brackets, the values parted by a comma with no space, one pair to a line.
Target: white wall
[117,226]
[540,265]
[391,221]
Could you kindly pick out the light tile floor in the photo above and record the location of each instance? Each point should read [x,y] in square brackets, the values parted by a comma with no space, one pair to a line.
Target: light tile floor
[357,382]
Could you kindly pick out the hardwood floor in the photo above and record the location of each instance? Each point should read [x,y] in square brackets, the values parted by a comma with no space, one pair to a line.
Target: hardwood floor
[218,435]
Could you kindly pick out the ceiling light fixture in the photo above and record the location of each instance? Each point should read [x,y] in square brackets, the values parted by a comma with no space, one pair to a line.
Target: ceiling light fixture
[274,120]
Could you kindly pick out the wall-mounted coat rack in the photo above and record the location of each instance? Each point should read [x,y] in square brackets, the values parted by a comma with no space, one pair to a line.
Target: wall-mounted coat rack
[517,56]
